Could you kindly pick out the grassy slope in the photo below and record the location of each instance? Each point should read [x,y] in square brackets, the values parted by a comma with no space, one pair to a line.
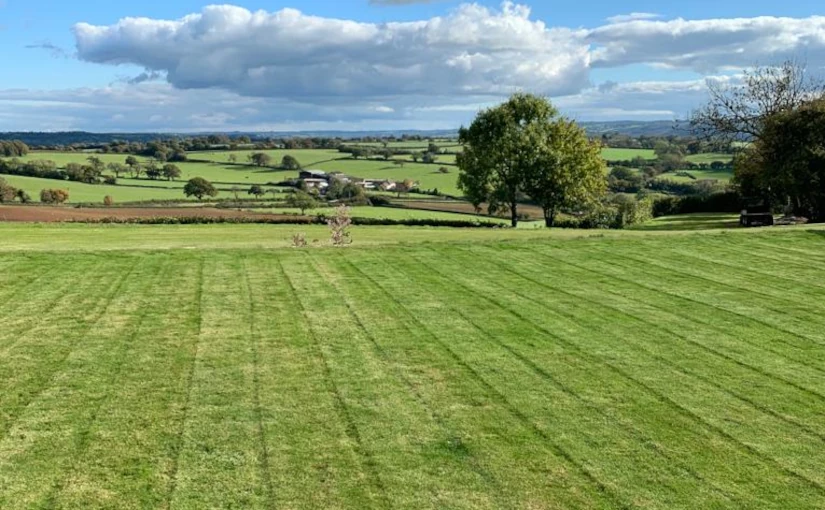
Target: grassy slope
[328,160]
[580,373]
[79,192]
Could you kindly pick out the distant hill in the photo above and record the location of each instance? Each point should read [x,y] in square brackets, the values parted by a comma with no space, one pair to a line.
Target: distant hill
[638,128]
[594,129]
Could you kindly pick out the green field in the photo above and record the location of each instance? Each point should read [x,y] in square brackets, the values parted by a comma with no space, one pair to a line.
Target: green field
[203,367]
[80,192]
[713,175]
[627,154]
[215,168]
[709,158]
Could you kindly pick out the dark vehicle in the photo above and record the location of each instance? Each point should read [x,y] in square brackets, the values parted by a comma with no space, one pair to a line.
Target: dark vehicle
[756,213]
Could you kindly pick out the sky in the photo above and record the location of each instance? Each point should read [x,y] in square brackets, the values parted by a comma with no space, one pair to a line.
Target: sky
[290,65]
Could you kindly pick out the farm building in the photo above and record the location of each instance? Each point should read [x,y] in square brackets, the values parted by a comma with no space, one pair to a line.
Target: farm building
[316,183]
[313,174]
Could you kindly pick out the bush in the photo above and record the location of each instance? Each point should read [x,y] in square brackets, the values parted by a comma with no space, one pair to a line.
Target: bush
[54,196]
[108,201]
[7,191]
[724,202]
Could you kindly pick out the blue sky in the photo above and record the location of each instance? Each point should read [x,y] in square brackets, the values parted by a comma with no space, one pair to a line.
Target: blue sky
[76,65]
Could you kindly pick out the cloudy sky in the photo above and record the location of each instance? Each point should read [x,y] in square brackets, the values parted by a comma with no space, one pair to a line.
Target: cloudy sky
[184,65]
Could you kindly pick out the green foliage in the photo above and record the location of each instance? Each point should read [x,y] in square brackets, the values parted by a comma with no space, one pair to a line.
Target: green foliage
[787,164]
[171,172]
[568,171]
[257,190]
[13,148]
[54,196]
[199,188]
[301,200]
[7,192]
[260,159]
[522,147]
[625,180]
[499,149]
[289,162]
[349,192]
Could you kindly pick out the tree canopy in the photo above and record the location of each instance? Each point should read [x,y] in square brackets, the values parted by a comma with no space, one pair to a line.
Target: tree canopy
[568,171]
[522,147]
[290,163]
[787,164]
[199,187]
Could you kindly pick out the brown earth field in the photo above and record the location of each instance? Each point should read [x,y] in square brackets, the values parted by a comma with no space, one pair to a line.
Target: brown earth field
[58,214]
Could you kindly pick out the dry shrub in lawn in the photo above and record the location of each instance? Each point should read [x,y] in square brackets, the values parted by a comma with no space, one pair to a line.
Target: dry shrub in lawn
[299,240]
[339,226]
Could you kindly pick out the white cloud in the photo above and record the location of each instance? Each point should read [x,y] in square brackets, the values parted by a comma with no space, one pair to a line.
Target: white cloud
[633,16]
[473,50]
[229,68]
[709,45]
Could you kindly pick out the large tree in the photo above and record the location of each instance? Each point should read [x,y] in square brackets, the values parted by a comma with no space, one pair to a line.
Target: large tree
[261,159]
[499,151]
[737,110]
[787,163]
[290,163]
[567,171]
[301,200]
[171,171]
[199,187]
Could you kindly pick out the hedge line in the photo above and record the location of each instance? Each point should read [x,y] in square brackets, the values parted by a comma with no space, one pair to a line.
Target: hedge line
[297,220]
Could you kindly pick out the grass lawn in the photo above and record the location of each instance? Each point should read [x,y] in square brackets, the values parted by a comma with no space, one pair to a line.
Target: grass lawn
[682,222]
[630,370]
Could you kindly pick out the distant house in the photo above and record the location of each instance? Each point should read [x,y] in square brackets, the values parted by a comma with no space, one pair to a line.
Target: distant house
[316,183]
[313,174]
[339,176]
[372,184]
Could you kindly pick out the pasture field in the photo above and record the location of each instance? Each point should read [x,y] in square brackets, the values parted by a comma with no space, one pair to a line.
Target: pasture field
[709,157]
[611,154]
[214,166]
[560,370]
[85,193]
[714,175]
[307,157]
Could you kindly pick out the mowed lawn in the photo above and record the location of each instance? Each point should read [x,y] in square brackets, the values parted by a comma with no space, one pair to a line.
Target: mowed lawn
[651,371]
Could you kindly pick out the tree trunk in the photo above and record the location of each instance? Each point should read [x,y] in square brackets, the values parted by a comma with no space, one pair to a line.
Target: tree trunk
[549,217]
[514,214]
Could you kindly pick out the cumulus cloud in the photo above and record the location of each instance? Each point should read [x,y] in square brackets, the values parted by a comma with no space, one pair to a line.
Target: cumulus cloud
[227,68]
[633,16]
[706,46]
[473,50]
